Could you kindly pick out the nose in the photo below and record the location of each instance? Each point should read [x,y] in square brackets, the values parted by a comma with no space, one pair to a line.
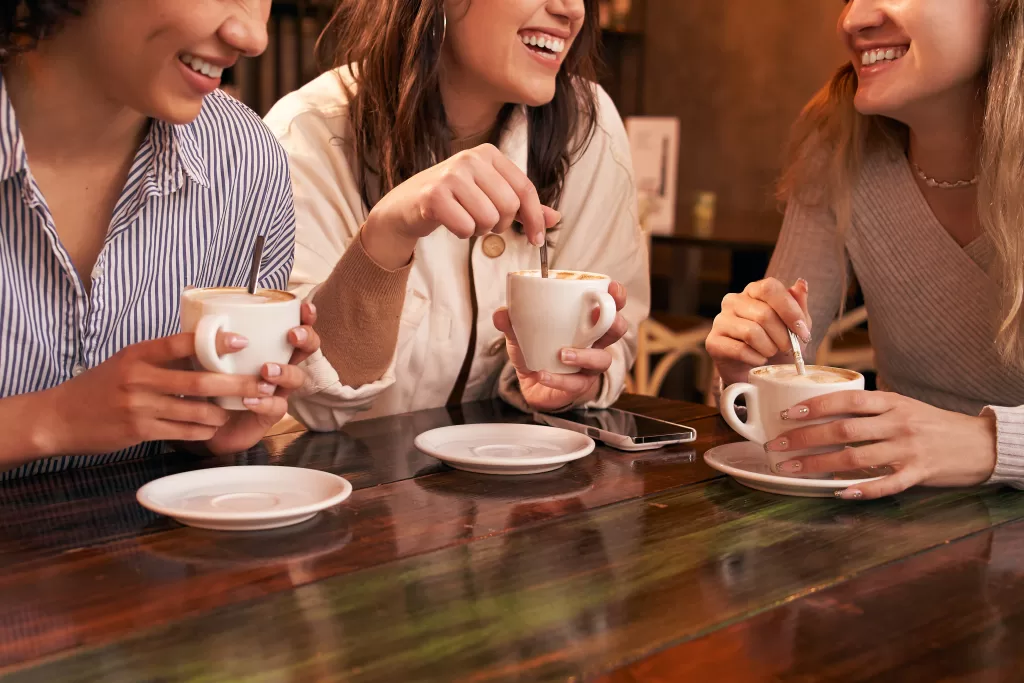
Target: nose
[861,15]
[245,30]
[573,10]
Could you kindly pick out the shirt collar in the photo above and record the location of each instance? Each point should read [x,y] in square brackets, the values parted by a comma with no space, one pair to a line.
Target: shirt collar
[515,139]
[12,147]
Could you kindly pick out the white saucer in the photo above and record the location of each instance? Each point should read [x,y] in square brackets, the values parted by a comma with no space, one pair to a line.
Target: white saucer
[505,448]
[745,461]
[245,498]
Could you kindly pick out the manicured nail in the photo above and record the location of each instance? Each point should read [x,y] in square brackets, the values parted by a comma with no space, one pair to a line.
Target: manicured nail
[237,342]
[252,402]
[802,331]
[300,334]
[568,356]
[538,240]
[807,286]
[789,467]
[273,370]
[312,307]
[776,445]
[850,494]
[795,413]
[267,389]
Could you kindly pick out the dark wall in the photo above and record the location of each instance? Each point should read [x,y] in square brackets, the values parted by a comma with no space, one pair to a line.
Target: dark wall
[737,73]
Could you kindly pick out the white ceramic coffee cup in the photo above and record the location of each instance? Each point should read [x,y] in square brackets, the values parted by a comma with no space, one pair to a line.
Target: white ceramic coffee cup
[265,324]
[555,313]
[768,395]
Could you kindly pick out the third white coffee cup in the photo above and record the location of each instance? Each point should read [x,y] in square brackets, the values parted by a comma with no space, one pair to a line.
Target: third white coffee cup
[555,313]
[773,389]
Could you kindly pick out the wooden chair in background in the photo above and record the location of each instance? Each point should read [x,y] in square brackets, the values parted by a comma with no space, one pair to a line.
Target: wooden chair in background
[847,344]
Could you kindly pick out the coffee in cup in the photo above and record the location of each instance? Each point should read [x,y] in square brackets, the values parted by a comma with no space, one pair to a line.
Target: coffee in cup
[264,318]
[772,389]
[557,312]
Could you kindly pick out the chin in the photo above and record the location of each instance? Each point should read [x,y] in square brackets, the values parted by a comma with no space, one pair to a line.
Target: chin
[177,111]
[537,96]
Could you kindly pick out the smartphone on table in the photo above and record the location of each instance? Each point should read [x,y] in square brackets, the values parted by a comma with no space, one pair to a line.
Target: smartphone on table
[620,429]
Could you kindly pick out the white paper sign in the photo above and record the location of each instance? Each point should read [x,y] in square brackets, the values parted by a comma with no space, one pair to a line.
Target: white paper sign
[654,143]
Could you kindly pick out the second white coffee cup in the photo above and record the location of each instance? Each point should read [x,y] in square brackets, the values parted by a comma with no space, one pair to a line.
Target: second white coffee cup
[772,389]
[555,313]
[265,319]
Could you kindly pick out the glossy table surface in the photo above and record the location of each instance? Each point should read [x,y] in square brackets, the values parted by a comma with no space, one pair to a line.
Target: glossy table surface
[617,567]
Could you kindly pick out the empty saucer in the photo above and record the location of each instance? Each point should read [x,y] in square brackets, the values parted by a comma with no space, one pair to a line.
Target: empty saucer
[244,498]
[505,448]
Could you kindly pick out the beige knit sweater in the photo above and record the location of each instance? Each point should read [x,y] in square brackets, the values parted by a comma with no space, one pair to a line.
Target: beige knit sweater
[932,306]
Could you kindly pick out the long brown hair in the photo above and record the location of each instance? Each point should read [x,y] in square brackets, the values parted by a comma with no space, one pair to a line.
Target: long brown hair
[831,139]
[395,109]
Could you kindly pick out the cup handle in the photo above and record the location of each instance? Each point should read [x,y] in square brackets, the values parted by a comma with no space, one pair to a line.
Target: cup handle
[752,429]
[589,331]
[206,344]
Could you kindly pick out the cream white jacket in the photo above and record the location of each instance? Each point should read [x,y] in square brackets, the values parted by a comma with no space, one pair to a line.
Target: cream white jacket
[600,233]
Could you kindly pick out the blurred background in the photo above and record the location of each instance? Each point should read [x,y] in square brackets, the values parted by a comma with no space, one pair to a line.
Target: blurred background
[709,89]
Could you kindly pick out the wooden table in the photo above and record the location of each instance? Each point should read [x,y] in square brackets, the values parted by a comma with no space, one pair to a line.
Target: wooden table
[619,567]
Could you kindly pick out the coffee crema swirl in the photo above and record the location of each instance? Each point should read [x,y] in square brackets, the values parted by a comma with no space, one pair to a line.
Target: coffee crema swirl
[563,275]
[239,295]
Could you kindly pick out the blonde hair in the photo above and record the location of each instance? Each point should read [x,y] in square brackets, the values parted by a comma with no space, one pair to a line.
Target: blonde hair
[831,139]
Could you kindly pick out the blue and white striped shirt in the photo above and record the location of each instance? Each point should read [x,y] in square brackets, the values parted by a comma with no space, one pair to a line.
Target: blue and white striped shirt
[196,199]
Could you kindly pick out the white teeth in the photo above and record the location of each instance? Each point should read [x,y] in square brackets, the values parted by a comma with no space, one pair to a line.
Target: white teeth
[889,54]
[556,45]
[200,66]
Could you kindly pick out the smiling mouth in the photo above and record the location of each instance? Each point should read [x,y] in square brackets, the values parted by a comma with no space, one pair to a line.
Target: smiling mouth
[201,66]
[543,44]
[883,55]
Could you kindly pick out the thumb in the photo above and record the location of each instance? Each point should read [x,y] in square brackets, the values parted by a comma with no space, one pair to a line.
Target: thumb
[551,217]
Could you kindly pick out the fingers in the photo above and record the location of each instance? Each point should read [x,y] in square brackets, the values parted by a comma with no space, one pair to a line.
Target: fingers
[551,217]
[746,331]
[272,408]
[441,207]
[201,384]
[773,293]
[477,204]
[574,385]
[229,342]
[531,212]
[287,378]
[165,350]
[898,482]
[845,460]
[765,317]
[616,332]
[185,411]
[500,194]
[166,430]
[592,361]
[618,292]
[843,403]
[801,292]
[727,349]
[835,433]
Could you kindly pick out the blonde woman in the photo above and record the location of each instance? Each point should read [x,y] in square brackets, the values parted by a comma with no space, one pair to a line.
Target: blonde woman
[905,171]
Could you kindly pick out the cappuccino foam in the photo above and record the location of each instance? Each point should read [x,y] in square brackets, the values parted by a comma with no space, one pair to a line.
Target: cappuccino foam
[816,374]
[232,295]
[563,275]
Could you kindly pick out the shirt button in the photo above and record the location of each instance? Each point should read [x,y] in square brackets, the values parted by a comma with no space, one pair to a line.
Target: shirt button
[494,246]
[77,370]
[97,272]
[496,347]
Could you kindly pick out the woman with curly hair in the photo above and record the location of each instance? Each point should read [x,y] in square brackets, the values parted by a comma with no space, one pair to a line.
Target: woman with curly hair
[442,123]
[126,176]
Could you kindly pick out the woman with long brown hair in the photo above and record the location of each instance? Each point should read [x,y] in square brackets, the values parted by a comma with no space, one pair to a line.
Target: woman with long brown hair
[462,132]
[906,170]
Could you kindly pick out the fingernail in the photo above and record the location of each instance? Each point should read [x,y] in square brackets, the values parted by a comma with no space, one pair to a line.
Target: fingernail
[251,402]
[237,342]
[300,334]
[312,308]
[538,240]
[795,413]
[803,332]
[776,445]
[850,494]
[801,281]
[568,356]
[789,467]
[273,370]
[267,389]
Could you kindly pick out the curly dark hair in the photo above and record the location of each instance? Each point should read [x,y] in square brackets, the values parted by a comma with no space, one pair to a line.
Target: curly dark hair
[23,23]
